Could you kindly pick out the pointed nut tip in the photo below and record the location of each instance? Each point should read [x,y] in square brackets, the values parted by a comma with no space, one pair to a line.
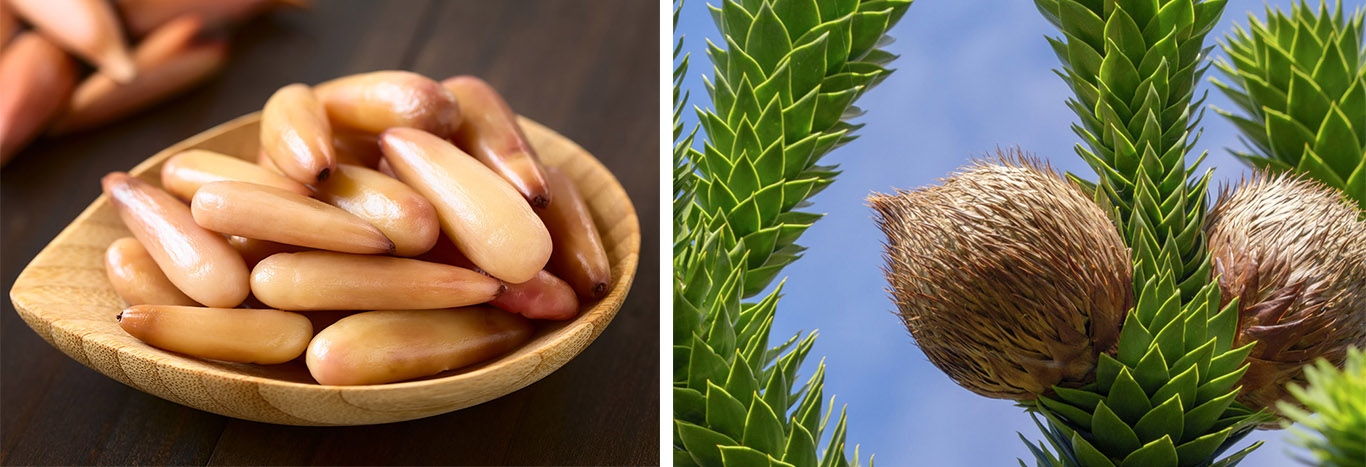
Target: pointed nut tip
[540,201]
[119,317]
[121,70]
[113,178]
[599,290]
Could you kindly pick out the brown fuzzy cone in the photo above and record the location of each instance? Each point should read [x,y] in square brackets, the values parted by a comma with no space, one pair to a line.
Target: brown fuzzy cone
[1009,278]
[1294,253]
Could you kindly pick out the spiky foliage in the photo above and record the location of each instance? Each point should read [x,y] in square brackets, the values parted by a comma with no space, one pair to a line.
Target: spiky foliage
[1010,279]
[1336,434]
[782,87]
[1133,66]
[1294,253]
[1166,396]
[684,183]
[1300,83]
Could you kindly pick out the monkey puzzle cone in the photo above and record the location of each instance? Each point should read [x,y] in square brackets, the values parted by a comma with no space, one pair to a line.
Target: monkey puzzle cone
[1294,254]
[1010,279]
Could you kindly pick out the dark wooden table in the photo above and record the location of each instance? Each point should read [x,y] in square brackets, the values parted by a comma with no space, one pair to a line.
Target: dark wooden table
[586,69]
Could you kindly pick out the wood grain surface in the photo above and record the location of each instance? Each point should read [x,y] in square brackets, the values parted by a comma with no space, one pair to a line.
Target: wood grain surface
[587,70]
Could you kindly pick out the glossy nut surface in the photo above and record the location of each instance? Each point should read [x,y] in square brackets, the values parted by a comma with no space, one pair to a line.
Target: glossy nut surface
[579,256]
[543,297]
[402,214]
[486,219]
[269,213]
[296,135]
[199,262]
[184,173]
[491,134]
[376,101]
[323,280]
[386,346]
[137,278]
[228,334]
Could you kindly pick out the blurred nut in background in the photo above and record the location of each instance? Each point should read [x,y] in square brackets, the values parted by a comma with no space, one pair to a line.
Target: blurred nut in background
[175,57]
[175,45]
[36,79]
[86,28]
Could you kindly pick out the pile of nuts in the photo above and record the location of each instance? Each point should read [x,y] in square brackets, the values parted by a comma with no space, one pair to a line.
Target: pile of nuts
[175,45]
[338,228]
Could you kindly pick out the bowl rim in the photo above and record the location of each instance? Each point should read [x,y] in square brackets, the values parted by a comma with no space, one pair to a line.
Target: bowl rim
[598,317]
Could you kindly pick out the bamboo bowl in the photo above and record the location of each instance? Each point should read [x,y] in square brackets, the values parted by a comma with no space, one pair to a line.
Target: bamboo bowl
[66,298]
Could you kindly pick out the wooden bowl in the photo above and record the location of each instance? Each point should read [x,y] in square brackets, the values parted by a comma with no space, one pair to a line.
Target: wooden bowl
[66,298]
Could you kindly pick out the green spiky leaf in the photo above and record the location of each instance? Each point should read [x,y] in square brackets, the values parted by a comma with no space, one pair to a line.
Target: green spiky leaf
[1133,66]
[1334,413]
[1298,79]
[784,76]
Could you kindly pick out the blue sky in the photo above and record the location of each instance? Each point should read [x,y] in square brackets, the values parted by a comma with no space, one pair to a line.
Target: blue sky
[973,75]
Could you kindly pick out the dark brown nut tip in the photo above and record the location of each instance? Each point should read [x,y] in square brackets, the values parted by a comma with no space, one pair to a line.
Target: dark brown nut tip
[324,174]
[502,287]
[599,290]
[540,201]
[119,317]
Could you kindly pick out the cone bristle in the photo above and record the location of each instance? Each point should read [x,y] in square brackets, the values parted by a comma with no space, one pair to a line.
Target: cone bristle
[1294,254]
[1009,278]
